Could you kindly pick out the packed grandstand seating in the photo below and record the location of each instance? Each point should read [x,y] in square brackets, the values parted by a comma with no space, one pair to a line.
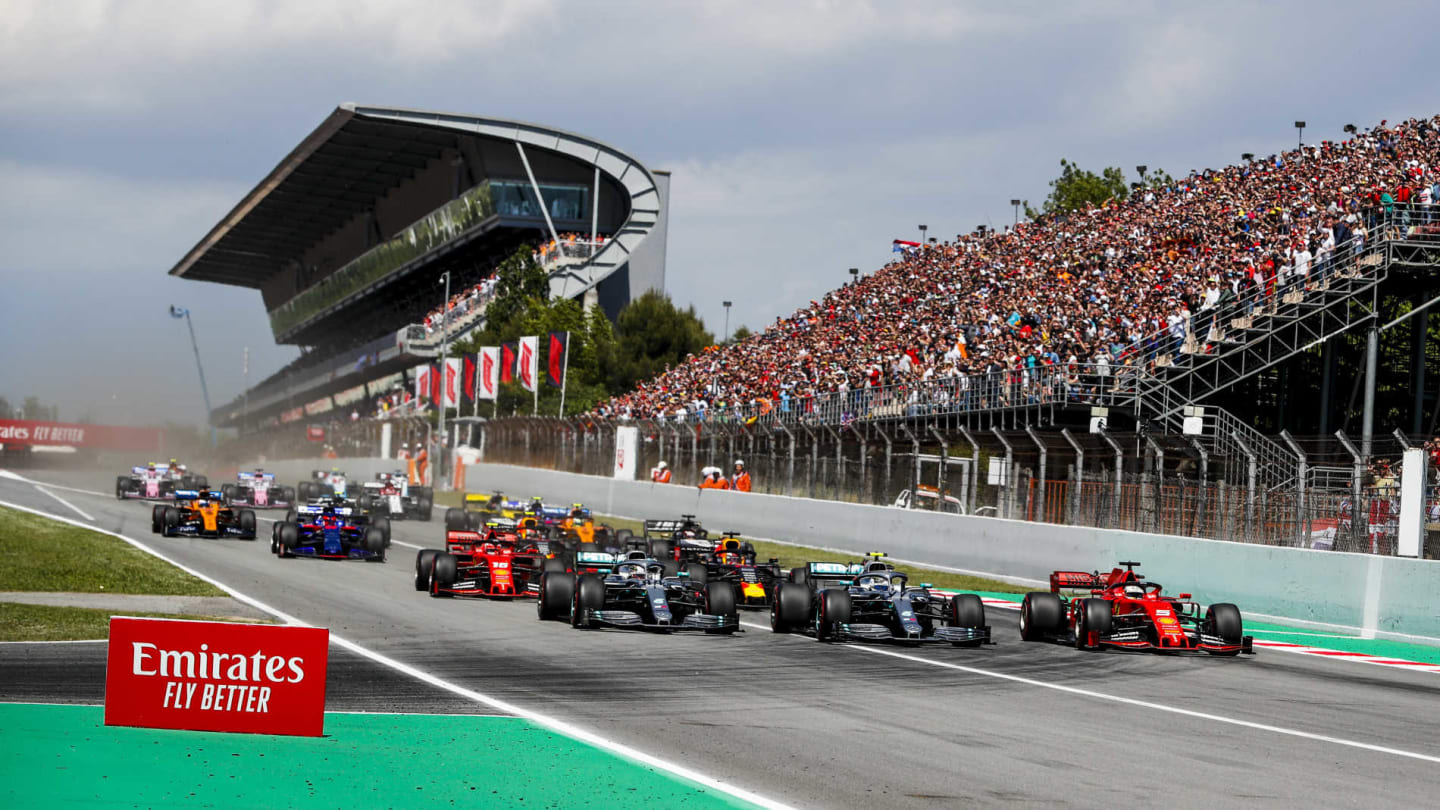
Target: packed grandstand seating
[1115,287]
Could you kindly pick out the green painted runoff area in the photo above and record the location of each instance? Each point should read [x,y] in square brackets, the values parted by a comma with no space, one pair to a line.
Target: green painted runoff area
[56,756]
[1327,639]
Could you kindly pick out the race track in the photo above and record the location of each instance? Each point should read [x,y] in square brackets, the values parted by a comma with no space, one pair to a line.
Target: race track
[816,725]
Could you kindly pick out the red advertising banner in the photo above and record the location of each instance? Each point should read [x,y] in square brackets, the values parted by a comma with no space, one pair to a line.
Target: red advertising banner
[315,433]
[26,431]
[215,676]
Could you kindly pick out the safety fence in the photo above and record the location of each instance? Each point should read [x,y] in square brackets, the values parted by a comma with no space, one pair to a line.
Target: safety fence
[1079,480]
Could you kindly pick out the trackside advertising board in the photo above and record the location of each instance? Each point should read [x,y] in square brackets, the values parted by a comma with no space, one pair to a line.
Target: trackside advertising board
[216,676]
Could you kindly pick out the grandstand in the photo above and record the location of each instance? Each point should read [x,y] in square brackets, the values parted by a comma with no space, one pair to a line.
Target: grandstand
[1177,331]
[347,237]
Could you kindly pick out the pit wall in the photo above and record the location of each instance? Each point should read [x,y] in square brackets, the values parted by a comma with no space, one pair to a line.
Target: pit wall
[1386,597]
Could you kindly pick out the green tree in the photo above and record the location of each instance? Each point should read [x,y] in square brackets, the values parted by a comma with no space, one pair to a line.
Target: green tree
[6,411]
[1077,188]
[741,332]
[651,334]
[33,409]
[518,281]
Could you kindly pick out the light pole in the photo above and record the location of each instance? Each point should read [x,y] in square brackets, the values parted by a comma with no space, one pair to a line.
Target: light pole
[727,320]
[1300,134]
[444,372]
[855,274]
[923,228]
[1016,204]
[245,397]
[181,312]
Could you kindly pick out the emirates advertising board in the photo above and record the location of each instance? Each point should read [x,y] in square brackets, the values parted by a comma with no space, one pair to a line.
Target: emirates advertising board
[216,676]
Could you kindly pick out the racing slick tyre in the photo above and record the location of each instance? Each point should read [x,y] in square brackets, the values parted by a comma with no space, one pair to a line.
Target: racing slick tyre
[697,572]
[800,576]
[669,568]
[833,611]
[292,516]
[120,482]
[172,520]
[1041,615]
[660,550]
[789,608]
[374,542]
[365,503]
[1223,621]
[424,559]
[427,506]
[275,537]
[552,565]
[720,601]
[306,489]
[201,482]
[247,524]
[288,535]
[383,524]
[228,492]
[966,610]
[157,518]
[287,494]
[589,595]
[443,571]
[1091,616]
[624,538]
[557,592]
[457,521]
[474,521]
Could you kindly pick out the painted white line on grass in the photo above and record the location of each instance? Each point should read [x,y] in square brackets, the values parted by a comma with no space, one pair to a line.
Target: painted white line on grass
[552,723]
[64,641]
[1144,704]
[78,510]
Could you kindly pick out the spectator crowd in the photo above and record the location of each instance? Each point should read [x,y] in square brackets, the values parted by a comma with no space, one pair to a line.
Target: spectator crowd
[1113,288]
[472,299]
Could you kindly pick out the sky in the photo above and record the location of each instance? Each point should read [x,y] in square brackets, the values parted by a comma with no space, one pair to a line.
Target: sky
[803,137]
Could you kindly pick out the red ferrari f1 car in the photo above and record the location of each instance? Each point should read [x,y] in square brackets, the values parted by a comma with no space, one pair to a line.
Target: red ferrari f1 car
[1126,611]
[494,562]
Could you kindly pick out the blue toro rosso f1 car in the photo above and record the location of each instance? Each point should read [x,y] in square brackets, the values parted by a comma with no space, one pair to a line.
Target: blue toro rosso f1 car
[329,532]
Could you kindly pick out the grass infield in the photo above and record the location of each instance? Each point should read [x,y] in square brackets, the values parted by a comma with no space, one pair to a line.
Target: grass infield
[55,623]
[39,554]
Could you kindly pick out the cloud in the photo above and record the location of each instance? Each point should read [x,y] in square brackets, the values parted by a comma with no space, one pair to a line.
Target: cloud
[118,57]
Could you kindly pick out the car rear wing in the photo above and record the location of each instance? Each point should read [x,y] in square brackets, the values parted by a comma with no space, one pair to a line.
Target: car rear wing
[340,511]
[1076,581]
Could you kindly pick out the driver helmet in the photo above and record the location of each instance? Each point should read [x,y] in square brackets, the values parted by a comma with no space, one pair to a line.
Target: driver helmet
[151,465]
[875,585]
[1134,591]
[630,570]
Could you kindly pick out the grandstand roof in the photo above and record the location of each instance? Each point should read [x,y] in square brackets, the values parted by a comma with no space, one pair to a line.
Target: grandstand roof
[356,155]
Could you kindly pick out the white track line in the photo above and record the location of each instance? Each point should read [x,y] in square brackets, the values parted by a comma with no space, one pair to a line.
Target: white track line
[554,724]
[66,641]
[1144,704]
[78,510]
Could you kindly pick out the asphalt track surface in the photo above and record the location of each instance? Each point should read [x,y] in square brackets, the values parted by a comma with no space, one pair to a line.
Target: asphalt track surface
[828,726]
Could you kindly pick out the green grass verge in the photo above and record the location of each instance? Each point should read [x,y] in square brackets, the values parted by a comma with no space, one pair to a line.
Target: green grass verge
[55,623]
[39,554]
[793,556]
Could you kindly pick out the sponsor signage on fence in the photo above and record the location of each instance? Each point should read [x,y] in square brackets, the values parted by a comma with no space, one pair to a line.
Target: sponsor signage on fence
[216,676]
[627,441]
[28,432]
[315,433]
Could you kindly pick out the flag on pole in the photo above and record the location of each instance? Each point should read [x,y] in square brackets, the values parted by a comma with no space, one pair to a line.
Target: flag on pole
[508,353]
[450,388]
[422,380]
[467,391]
[556,361]
[528,361]
[489,372]
[434,383]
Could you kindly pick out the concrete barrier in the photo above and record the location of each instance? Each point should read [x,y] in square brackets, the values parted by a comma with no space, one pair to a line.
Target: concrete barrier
[1386,597]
